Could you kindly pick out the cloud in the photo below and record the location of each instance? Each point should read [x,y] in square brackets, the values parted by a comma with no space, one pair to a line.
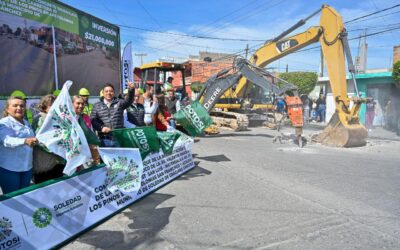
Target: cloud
[159,45]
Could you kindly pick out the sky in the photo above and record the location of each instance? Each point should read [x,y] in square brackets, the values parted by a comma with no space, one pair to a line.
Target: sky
[170,29]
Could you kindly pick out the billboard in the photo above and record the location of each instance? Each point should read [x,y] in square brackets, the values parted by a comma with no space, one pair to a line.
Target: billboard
[43,43]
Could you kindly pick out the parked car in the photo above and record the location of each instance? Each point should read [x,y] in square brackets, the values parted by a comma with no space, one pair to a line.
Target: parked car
[70,48]
[80,48]
[89,48]
[49,48]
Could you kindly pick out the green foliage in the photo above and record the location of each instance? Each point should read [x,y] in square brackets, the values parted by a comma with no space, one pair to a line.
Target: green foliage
[196,86]
[305,81]
[396,72]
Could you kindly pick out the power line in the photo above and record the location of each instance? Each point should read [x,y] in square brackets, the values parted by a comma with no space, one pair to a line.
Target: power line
[192,36]
[148,13]
[373,13]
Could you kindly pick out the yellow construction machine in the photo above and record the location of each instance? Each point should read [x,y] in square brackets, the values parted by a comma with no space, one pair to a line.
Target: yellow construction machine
[344,129]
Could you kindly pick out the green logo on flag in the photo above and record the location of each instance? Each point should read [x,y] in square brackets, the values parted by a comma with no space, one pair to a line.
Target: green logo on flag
[66,132]
[42,217]
[144,138]
[129,170]
[5,228]
[84,22]
[194,118]
[141,140]
[168,140]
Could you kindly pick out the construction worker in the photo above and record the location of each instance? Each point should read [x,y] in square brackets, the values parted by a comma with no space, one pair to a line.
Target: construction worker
[56,92]
[85,94]
[168,84]
[28,112]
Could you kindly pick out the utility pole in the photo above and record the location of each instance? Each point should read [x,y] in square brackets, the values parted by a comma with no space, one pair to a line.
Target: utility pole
[247,50]
[141,55]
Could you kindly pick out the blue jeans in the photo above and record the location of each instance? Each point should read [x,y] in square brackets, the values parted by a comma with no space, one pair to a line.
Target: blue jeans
[321,113]
[11,181]
[172,123]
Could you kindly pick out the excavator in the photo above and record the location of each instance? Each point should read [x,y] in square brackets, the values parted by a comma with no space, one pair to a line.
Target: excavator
[344,128]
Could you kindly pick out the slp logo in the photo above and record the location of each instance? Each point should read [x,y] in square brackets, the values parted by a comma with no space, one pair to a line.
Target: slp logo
[141,139]
[42,217]
[5,232]
[5,228]
[285,45]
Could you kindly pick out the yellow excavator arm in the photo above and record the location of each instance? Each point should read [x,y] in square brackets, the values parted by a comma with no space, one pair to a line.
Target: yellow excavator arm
[344,129]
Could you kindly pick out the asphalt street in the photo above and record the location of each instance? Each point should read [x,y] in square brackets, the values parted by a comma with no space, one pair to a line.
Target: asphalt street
[93,69]
[32,64]
[247,192]
[36,64]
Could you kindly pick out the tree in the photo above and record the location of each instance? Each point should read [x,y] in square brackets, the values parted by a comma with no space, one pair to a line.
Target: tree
[196,86]
[396,73]
[305,81]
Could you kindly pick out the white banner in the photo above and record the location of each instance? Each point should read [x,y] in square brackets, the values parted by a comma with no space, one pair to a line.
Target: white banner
[127,66]
[124,169]
[48,216]
[62,134]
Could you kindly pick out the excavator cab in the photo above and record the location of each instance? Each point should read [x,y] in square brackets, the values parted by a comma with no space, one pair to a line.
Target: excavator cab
[156,74]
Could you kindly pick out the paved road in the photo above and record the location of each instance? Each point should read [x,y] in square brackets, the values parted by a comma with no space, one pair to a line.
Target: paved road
[26,67]
[248,193]
[91,68]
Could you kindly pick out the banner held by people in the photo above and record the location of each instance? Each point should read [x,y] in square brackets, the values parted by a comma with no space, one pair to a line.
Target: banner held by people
[144,138]
[124,169]
[194,118]
[62,134]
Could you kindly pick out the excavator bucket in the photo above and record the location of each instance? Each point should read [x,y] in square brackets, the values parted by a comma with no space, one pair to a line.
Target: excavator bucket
[338,134]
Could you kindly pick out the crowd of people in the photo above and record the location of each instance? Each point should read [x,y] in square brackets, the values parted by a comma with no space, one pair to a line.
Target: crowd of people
[134,108]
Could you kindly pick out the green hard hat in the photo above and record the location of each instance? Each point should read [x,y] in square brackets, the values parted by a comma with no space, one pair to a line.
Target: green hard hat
[18,93]
[84,91]
[56,92]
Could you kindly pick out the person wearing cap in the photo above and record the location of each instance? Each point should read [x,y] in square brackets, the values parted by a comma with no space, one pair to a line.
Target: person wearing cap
[85,94]
[168,84]
[56,92]
[28,112]
[108,113]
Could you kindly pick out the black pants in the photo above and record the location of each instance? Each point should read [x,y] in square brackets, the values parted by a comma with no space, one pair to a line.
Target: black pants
[54,173]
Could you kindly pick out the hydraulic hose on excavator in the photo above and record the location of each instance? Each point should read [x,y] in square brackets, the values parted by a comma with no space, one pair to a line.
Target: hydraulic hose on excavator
[344,128]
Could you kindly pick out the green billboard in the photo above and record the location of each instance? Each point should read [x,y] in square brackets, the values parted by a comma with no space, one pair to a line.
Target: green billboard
[43,43]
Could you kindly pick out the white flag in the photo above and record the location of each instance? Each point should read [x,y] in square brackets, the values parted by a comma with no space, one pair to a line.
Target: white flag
[124,169]
[62,134]
[127,66]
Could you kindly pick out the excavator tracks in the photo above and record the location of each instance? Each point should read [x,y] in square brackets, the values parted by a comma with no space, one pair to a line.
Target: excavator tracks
[232,120]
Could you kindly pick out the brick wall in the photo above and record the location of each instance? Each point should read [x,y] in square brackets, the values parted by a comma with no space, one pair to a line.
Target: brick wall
[396,53]
[201,71]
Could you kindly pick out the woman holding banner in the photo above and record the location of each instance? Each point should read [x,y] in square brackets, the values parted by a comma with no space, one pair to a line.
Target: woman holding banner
[162,115]
[16,141]
[84,121]
[108,113]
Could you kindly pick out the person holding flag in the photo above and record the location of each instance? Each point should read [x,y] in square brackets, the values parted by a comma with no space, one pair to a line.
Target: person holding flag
[16,141]
[108,113]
